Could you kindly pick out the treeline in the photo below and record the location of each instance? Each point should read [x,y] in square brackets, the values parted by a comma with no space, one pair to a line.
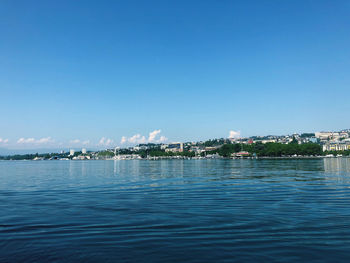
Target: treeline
[226,150]
[272,149]
[162,153]
[18,157]
[32,156]
[214,142]
[106,154]
[258,149]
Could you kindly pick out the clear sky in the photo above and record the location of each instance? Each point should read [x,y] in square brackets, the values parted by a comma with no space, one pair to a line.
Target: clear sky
[78,71]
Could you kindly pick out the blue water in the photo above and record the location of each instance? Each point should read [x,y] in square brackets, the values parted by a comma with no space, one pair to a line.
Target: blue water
[175,211]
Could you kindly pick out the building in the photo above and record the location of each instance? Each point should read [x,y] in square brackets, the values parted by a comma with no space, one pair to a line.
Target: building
[268,141]
[127,157]
[338,146]
[71,152]
[83,151]
[211,148]
[81,157]
[175,147]
[196,149]
[327,135]
[241,154]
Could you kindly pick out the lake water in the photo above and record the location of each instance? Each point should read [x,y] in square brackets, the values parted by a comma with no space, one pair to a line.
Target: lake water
[175,211]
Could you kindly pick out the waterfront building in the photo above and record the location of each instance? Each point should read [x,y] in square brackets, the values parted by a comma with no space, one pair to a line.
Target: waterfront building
[336,146]
[195,149]
[71,152]
[241,154]
[81,157]
[127,157]
[213,156]
[83,151]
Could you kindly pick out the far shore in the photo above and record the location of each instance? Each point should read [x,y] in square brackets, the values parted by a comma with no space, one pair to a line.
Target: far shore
[199,158]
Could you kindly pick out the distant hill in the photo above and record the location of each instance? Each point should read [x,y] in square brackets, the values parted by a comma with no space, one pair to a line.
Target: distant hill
[5,151]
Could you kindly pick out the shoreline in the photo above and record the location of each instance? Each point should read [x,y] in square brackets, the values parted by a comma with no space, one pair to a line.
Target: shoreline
[201,158]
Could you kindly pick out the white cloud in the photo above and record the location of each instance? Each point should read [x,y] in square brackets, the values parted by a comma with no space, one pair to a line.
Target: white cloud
[234,134]
[44,140]
[123,140]
[28,140]
[4,140]
[152,135]
[105,141]
[138,138]
[35,141]
[77,141]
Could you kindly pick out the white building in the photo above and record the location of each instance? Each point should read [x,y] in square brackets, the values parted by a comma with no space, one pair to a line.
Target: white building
[342,146]
[83,151]
[71,152]
[327,135]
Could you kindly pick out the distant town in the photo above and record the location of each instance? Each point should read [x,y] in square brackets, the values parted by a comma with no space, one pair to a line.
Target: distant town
[305,145]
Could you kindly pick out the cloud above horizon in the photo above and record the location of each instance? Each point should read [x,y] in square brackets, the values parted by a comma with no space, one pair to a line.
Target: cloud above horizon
[105,142]
[138,138]
[4,140]
[50,142]
[77,141]
[234,134]
[27,142]
[44,140]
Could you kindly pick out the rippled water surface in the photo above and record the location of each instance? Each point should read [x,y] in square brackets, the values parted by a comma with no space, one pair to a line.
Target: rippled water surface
[175,211]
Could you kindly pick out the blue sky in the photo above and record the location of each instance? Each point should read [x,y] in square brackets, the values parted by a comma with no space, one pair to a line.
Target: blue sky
[79,71]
